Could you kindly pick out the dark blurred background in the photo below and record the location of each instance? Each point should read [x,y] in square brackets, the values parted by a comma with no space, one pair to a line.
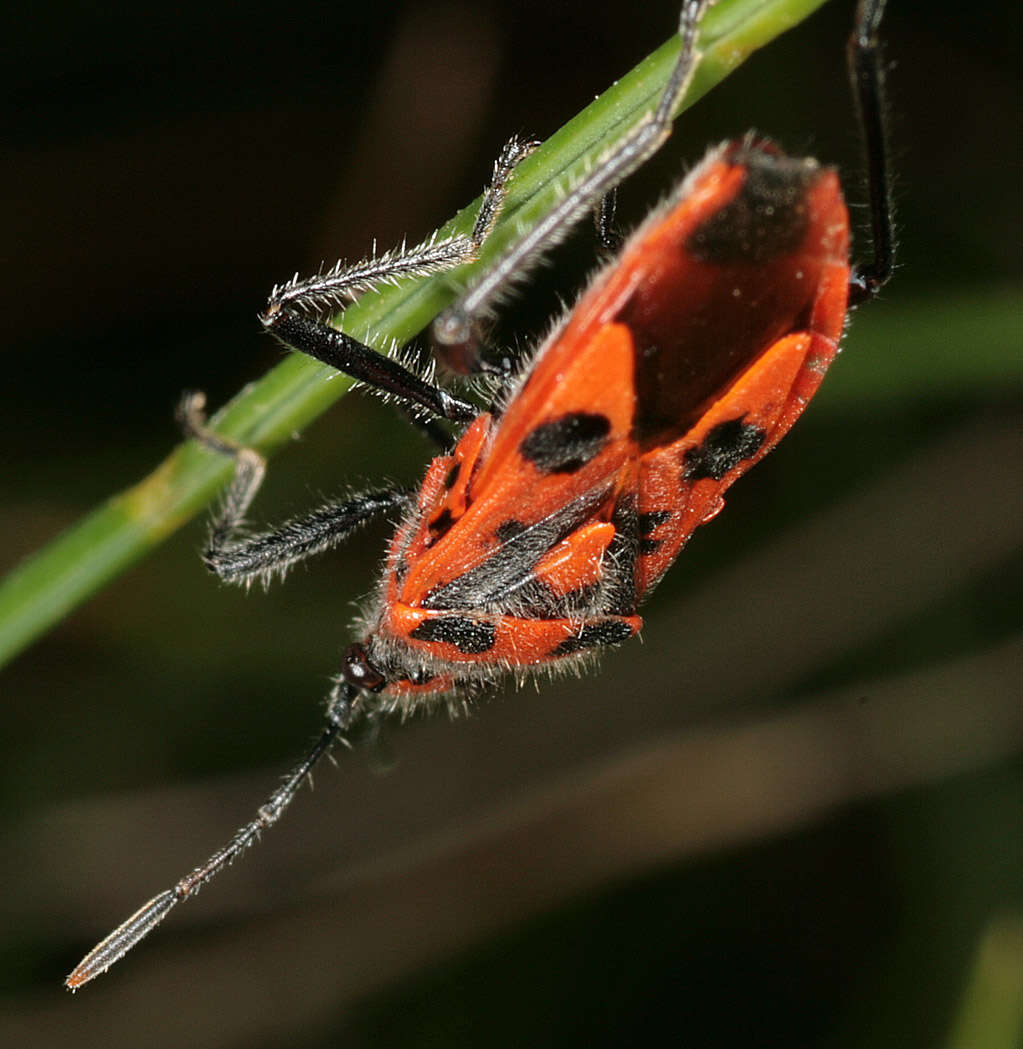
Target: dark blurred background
[790,817]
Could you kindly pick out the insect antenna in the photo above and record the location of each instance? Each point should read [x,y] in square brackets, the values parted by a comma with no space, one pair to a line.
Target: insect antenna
[341,714]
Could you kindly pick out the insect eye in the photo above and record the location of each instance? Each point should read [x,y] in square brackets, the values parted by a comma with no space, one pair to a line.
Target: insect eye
[360,672]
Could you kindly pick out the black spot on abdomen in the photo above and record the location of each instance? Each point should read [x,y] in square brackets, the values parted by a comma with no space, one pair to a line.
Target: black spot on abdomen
[568,443]
[595,635]
[470,636]
[725,446]
[650,522]
[508,530]
[440,526]
[619,566]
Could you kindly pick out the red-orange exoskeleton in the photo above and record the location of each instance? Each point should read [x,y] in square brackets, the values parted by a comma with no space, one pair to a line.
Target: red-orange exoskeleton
[532,543]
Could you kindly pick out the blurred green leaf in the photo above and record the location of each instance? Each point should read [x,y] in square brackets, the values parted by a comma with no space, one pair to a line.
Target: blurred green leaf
[959,346]
[991,1013]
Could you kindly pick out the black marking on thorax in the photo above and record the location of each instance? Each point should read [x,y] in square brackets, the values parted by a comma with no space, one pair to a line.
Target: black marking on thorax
[766,219]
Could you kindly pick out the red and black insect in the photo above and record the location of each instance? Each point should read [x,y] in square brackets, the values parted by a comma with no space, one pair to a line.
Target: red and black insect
[532,542]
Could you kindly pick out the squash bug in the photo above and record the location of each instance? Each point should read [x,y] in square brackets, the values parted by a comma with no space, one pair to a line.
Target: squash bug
[532,542]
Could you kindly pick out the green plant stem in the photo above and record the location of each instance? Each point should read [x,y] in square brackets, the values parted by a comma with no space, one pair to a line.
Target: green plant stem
[47,586]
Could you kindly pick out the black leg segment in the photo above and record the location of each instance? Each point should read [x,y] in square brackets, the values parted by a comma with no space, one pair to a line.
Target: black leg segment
[270,554]
[608,234]
[287,311]
[867,76]
[348,355]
